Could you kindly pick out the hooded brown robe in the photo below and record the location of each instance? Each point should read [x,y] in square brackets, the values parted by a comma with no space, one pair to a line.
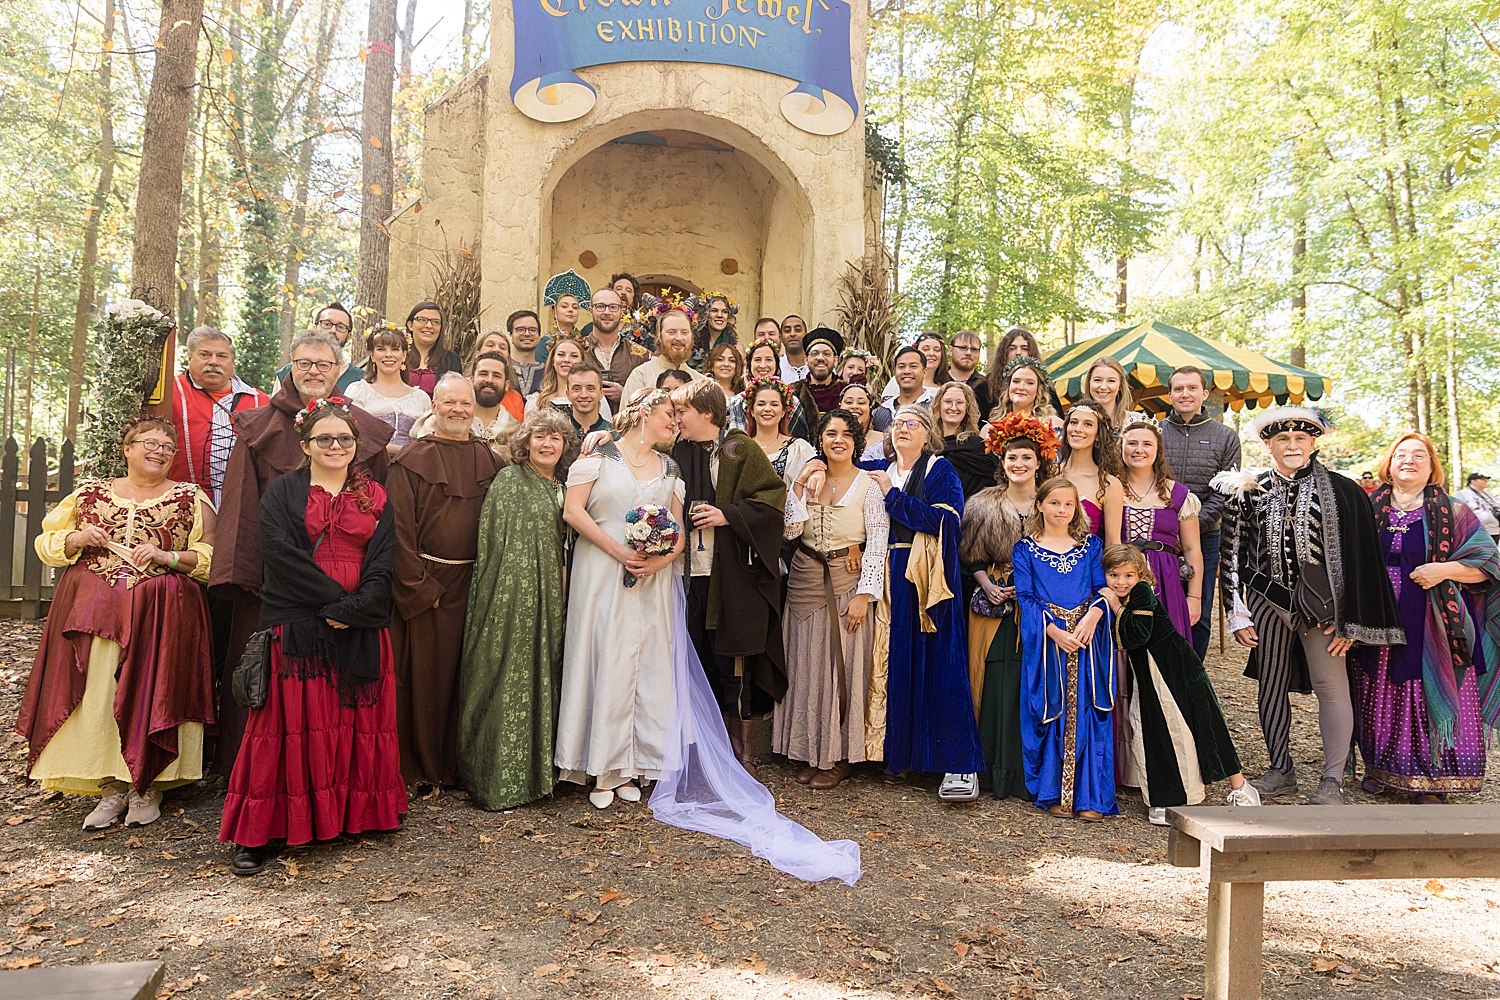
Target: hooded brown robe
[266,448]
[437,488]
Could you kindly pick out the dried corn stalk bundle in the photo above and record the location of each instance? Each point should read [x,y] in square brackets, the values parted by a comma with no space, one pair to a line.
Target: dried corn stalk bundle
[867,308]
[456,280]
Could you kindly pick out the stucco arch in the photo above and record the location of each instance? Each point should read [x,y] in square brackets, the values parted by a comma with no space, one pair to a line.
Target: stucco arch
[679,210]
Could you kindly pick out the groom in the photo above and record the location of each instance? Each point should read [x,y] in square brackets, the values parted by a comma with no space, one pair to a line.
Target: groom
[734,510]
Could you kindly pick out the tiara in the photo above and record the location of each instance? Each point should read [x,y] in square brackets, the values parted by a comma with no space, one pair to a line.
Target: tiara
[1017,425]
[316,406]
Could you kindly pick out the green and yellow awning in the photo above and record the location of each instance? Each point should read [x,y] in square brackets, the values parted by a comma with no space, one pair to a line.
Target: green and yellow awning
[1151,351]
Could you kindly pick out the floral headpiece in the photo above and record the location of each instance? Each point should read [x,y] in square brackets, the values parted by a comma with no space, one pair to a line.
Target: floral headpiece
[1027,362]
[1017,425]
[855,352]
[763,341]
[755,385]
[707,297]
[369,336]
[666,304]
[317,406]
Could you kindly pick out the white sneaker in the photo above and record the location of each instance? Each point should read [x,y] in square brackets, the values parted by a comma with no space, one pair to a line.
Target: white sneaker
[144,809]
[1245,795]
[113,801]
[628,792]
[600,798]
[1157,815]
[959,788]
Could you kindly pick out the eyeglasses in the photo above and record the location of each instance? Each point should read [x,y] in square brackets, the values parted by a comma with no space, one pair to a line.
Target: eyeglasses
[326,441]
[526,329]
[165,447]
[328,324]
[908,424]
[604,307]
[304,365]
[426,321]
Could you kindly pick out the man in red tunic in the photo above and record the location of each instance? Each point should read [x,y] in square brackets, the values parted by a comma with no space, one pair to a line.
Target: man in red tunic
[267,448]
[204,402]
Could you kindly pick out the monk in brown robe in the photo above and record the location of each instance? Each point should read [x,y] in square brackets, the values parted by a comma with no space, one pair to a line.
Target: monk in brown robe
[437,487]
[267,448]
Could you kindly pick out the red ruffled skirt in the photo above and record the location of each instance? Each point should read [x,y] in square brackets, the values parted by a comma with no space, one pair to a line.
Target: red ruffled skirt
[310,768]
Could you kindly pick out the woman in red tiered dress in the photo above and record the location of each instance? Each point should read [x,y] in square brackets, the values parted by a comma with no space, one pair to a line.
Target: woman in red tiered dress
[320,758]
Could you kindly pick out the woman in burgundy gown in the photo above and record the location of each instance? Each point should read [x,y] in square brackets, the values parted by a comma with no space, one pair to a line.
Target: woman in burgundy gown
[320,758]
[1161,519]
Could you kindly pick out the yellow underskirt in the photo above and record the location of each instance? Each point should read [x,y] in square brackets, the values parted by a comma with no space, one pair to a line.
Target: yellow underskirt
[85,752]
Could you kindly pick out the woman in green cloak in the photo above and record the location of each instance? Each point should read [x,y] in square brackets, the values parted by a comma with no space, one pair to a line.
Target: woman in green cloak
[513,638]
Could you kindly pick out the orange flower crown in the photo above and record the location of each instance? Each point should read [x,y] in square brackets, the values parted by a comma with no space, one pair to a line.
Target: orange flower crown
[1018,425]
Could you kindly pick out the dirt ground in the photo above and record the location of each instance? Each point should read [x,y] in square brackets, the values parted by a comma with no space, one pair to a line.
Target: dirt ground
[989,899]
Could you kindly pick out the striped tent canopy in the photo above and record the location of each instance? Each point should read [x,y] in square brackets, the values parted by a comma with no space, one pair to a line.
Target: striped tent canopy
[1151,351]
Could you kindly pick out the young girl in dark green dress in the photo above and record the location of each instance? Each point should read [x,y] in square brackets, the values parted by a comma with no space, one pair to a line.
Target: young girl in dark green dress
[1178,728]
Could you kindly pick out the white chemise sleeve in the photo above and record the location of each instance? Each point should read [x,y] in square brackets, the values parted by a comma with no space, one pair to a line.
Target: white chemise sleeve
[585,470]
[795,520]
[877,541]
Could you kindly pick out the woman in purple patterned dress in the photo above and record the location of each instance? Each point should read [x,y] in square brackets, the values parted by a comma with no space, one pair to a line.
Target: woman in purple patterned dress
[1421,709]
[1161,519]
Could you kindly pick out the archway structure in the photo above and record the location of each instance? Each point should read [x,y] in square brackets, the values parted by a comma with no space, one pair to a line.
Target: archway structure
[680,168]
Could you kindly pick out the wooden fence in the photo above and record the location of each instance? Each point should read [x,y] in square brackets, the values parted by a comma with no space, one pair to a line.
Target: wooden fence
[25,584]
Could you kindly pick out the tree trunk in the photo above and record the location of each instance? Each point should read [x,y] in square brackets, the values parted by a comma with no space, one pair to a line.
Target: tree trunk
[1122,287]
[375,167]
[468,34]
[187,253]
[901,140]
[36,323]
[1299,288]
[85,305]
[169,108]
[311,128]
[1450,378]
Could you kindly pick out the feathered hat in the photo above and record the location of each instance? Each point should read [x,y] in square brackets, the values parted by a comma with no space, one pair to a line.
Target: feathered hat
[1312,420]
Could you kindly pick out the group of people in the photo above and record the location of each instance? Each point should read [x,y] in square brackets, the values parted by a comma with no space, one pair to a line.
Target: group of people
[606,555]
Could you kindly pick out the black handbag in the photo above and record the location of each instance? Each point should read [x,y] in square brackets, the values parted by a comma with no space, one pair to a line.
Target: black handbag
[1313,596]
[251,682]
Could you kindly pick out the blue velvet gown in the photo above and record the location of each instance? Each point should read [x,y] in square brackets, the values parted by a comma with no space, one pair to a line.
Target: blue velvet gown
[930,725]
[1067,734]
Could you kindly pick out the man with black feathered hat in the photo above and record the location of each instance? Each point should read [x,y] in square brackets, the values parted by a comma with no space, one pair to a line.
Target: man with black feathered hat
[1302,571]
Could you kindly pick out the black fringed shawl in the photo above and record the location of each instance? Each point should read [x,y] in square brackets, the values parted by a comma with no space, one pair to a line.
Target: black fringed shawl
[297,595]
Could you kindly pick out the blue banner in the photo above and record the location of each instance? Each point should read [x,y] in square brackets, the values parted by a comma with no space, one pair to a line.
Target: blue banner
[808,44]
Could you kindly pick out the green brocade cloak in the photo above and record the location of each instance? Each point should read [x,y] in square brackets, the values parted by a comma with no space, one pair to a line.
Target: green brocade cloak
[513,644]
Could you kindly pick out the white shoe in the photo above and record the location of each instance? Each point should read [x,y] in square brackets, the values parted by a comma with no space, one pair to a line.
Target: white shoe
[628,792]
[1157,815]
[959,788]
[113,801]
[144,809]
[600,798]
[1245,795]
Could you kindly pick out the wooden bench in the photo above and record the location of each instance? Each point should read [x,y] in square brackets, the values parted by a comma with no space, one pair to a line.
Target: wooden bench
[1243,849]
[118,981]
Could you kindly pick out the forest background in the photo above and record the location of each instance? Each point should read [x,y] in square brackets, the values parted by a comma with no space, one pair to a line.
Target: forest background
[1305,178]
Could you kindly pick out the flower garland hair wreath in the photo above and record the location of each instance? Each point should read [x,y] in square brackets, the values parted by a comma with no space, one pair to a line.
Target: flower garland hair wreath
[756,385]
[312,411]
[730,304]
[1016,425]
[369,337]
[1022,361]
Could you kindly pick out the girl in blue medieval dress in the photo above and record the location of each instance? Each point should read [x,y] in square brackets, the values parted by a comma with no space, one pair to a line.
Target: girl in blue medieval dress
[1068,662]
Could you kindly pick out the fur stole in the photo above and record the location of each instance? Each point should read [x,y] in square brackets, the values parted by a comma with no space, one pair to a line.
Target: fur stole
[990,528]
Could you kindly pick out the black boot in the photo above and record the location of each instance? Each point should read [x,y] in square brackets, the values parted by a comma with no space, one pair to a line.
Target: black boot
[250,860]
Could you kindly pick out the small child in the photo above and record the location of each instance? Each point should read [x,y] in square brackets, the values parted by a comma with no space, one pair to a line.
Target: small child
[1178,728]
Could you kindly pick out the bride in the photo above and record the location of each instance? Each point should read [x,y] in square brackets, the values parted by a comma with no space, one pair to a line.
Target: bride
[635,701]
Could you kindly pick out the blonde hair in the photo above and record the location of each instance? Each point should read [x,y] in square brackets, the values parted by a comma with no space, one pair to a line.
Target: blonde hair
[641,403]
[1118,411]
[1383,470]
[1078,527]
[1122,554]
[970,426]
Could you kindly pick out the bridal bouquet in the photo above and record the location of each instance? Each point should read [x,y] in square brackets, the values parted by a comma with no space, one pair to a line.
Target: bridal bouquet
[650,530]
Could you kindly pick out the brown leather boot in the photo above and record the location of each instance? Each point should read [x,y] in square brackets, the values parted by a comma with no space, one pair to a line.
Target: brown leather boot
[740,733]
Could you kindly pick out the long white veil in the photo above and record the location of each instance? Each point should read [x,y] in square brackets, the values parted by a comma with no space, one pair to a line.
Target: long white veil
[703,787]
